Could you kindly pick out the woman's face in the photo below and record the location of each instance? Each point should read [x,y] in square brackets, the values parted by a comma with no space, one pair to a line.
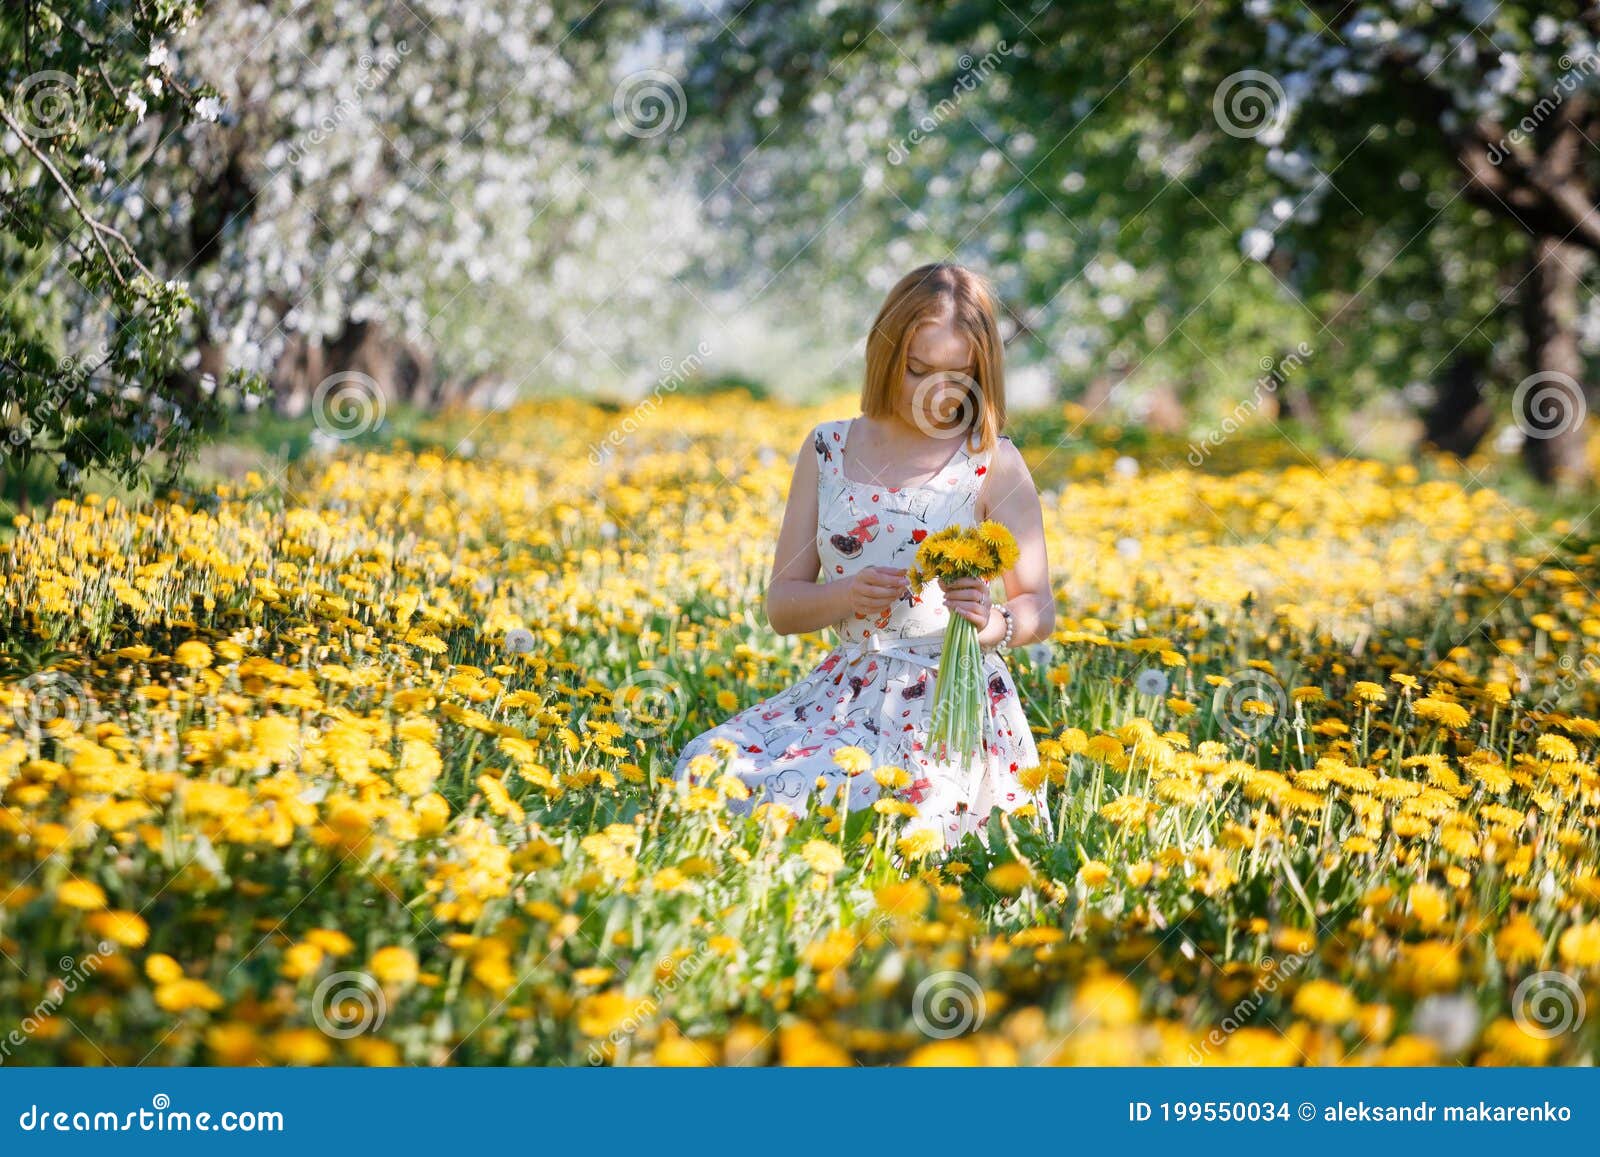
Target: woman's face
[939,390]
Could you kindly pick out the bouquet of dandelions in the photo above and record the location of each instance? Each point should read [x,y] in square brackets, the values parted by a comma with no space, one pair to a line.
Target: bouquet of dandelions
[984,552]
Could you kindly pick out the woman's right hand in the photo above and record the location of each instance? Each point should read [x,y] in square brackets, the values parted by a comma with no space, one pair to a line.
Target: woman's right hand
[874,589]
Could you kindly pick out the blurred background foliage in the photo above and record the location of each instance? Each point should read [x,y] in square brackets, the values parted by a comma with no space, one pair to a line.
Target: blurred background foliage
[1354,226]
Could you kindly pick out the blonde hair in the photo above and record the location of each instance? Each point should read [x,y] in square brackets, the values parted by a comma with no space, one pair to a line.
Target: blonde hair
[927,293]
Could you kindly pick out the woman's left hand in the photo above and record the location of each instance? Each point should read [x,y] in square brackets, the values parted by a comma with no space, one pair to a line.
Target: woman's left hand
[969,598]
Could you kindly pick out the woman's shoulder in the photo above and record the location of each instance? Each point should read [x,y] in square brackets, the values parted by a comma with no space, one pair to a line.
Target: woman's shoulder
[1004,455]
[823,449]
[1005,468]
[827,438]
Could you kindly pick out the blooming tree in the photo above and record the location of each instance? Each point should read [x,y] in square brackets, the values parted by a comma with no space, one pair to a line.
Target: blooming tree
[1178,193]
[457,176]
[90,332]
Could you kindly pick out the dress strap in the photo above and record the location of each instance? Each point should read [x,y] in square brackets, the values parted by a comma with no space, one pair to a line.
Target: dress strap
[827,442]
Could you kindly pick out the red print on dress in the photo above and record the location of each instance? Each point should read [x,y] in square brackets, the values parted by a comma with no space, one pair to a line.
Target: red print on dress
[849,543]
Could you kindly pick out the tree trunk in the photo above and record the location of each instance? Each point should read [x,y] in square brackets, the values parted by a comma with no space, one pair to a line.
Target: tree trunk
[1551,403]
[1294,402]
[1460,416]
[398,370]
[296,375]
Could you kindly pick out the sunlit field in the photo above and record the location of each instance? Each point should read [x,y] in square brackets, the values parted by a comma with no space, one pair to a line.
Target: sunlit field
[368,763]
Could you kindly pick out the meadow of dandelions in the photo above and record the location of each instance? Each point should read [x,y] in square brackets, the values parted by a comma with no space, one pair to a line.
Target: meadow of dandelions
[368,763]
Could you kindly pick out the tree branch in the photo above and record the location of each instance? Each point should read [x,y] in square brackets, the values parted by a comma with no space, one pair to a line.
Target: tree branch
[98,230]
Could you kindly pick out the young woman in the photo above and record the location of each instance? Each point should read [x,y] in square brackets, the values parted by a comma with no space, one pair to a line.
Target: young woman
[925,453]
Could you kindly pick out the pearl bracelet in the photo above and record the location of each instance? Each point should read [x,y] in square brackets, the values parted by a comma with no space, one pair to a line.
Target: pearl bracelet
[1011,624]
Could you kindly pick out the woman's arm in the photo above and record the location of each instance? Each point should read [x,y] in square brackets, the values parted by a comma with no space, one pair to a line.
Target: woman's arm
[1010,497]
[796,602]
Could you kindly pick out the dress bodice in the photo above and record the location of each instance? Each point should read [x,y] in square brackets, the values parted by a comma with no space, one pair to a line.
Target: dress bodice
[861,525]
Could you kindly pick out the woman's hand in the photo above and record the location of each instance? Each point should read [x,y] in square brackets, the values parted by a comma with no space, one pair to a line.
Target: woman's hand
[874,589]
[969,598]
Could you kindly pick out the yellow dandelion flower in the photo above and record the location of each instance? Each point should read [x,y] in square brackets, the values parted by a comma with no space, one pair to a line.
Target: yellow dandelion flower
[823,857]
[1365,692]
[1094,873]
[1579,945]
[1444,713]
[394,965]
[193,654]
[1008,878]
[1326,1002]
[892,778]
[918,844]
[81,894]
[852,760]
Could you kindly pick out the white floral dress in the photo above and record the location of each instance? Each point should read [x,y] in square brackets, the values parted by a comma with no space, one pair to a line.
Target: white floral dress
[875,689]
